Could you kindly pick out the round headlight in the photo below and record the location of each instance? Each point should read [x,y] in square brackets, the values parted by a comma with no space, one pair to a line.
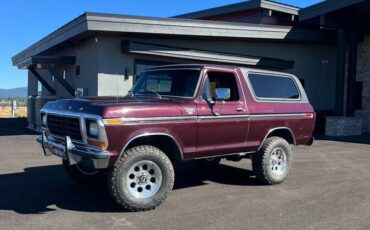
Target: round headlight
[44,120]
[93,129]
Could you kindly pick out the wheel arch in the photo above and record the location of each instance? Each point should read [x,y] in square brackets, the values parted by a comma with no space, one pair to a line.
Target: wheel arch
[164,141]
[283,132]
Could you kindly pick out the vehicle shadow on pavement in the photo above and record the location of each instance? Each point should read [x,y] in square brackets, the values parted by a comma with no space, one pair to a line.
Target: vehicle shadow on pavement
[190,175]
[14,126]
[42,189]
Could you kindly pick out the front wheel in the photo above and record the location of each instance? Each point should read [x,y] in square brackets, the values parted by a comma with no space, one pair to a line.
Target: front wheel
[272,163]
[142,178]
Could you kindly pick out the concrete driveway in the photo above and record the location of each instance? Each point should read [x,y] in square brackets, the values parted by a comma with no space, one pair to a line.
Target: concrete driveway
[328,188]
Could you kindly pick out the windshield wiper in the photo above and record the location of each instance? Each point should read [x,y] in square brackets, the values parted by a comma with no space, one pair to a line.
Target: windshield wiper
[148,91]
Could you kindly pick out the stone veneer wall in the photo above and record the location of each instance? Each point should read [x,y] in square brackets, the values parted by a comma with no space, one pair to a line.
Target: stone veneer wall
[343,126]
[363,74]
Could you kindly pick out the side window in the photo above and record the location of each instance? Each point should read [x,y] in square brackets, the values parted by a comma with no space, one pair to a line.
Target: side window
[220,80]
[273,87]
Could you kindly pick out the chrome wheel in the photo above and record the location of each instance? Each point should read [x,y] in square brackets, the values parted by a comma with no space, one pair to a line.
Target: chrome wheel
[144,179]
[278,161]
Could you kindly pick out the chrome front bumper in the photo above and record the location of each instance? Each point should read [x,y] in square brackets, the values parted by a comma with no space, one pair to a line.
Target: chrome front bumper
[74,153]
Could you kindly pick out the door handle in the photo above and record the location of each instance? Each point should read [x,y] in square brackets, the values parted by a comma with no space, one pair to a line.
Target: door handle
[240,109]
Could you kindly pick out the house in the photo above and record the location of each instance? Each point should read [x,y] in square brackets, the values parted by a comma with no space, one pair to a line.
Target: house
[326,45]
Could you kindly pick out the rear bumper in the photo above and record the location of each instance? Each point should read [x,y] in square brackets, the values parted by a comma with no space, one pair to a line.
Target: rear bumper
[75,154]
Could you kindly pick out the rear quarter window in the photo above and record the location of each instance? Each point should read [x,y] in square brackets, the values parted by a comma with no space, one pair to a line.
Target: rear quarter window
[273,87]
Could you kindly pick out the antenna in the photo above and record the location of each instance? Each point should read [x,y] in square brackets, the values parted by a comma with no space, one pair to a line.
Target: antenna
[117,83]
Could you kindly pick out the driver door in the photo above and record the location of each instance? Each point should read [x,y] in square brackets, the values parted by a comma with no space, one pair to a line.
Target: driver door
[224,128]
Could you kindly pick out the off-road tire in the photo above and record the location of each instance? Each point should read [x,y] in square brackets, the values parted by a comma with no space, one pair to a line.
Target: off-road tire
[261,161]
[81,174]
[208,162]
[117,178]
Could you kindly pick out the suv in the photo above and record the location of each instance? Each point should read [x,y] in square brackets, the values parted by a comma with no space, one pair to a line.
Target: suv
[174,113]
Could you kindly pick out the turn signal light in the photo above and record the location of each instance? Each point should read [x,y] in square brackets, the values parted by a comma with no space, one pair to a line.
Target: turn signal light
[113,121]
[99,144]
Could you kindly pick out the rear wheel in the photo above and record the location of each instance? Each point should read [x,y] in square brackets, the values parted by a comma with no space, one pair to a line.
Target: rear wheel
[272,163]
[142,178]
[82,174]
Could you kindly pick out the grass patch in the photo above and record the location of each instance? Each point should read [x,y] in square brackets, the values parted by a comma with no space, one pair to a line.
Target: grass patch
[7,112]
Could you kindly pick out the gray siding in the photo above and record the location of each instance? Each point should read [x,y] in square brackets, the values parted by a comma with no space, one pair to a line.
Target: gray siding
[112,65]
[87,58]
[103,65]
[363,74]
[315,63]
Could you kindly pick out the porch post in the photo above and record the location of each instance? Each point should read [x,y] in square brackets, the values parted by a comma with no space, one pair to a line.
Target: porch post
[352,71]
[42,80]
[341,61]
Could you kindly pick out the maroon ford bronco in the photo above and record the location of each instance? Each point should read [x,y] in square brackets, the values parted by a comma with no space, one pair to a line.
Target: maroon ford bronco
[174,113]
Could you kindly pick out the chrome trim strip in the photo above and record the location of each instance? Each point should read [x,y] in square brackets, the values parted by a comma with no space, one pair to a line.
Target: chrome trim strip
[152,134]
[278,115]
[274,129]
[144,119]
[225,155]
[222,117]
[210,117]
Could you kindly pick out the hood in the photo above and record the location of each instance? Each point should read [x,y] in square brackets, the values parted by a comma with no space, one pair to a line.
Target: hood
[113,107]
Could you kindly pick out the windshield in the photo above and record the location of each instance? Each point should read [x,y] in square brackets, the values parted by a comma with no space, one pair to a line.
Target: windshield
[176,83]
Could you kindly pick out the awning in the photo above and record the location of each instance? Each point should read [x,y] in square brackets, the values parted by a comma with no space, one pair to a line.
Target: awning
[204,56]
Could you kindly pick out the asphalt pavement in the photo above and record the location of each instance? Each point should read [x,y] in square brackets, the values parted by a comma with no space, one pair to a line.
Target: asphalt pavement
[328,188]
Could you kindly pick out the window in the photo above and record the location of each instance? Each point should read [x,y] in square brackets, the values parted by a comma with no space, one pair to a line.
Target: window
[220,80]
[177,83]
[39,88]
[64,74]
[273,87]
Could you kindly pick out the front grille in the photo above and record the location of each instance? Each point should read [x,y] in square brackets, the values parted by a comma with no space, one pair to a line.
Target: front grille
[64,126]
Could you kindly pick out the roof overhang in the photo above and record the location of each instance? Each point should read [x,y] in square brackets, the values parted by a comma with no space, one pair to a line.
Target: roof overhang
[40,62]
[112,23]
[325,7]
[241,6]
[349,15]
[204,56]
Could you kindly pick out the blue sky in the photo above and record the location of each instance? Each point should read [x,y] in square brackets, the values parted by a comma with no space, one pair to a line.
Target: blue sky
[24,22]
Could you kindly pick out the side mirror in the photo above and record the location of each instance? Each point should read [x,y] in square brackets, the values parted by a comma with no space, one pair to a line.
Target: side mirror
[222,94]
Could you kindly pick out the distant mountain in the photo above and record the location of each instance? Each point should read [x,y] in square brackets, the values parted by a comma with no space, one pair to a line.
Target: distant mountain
[15,92]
